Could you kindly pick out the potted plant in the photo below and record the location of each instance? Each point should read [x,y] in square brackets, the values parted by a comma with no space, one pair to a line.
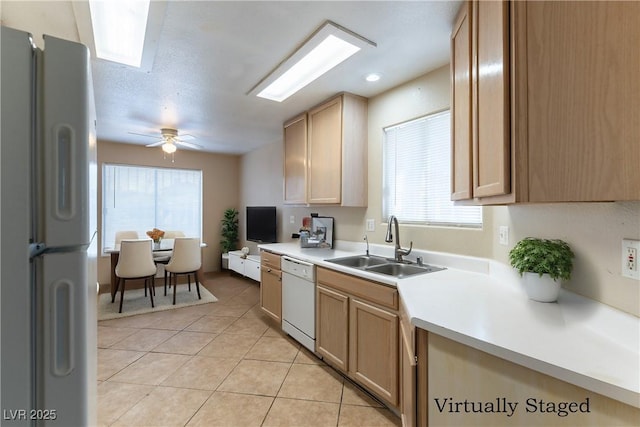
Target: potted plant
[544,264]
[229,230]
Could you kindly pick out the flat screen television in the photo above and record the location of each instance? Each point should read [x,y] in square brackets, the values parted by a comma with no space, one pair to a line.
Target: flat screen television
[261,224]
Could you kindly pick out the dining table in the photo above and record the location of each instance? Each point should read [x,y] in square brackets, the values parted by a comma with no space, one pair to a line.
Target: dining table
[164,246]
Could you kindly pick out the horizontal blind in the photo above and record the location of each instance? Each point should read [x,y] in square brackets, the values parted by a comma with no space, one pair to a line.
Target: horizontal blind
[143,198]
[416,174]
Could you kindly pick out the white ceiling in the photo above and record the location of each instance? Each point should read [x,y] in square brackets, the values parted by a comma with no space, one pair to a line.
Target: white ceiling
[211,53]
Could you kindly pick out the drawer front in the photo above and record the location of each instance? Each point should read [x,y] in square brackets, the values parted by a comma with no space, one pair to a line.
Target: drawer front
[268,259]
[377,293]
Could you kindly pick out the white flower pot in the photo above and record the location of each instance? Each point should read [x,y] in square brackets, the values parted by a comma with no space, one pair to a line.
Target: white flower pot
[541,288]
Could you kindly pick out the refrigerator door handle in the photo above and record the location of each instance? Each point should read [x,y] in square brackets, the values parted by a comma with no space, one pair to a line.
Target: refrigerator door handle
[61,324]
[65,172]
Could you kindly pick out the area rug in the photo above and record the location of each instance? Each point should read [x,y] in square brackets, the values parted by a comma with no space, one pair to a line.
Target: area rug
[136,303]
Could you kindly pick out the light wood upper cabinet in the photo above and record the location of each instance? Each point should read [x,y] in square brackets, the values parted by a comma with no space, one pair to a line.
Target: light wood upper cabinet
[295,160]
[461,148]
[481,163]
[583,103]
[554,102]
[335,154]
[490,105]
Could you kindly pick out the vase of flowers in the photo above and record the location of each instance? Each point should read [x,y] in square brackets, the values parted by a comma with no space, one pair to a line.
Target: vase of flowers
[156,235]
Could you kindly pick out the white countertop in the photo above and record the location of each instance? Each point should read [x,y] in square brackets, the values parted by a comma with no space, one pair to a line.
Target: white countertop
[480,303]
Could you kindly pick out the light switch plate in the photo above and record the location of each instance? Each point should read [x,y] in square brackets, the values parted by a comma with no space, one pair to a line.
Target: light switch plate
[503,235]
[371,224]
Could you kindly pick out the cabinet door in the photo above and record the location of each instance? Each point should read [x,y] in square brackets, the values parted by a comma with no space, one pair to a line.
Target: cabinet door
[325,153]
[408,379]
[373,358]
[490,82]
[332,326]
[271,292]
[461,147]
[252,269]
[583,79]
[236,263]
[295,160]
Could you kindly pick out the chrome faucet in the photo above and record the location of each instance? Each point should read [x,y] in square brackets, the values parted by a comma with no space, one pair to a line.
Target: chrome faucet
[366,239]
[399,252]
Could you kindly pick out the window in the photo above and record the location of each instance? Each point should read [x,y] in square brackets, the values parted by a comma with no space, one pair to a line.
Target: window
[141,198]
[417,174]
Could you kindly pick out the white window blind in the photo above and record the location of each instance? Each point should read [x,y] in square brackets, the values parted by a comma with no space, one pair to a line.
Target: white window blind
[417,174]
[141,198]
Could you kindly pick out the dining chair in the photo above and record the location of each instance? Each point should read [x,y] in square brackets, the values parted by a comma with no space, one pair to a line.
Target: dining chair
[163,257]
[187,260]
[135,262]
[128,234]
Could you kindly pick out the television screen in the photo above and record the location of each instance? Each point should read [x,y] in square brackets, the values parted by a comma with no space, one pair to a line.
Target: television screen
[261,224]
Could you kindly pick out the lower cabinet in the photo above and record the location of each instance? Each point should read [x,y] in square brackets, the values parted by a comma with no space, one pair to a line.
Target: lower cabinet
[408,370]
[373,356]
[332,336]
[248,267]
[454,373]
[271,285]
[357,331]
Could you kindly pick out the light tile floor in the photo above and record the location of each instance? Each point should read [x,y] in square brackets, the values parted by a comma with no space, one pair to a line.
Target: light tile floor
[221,364]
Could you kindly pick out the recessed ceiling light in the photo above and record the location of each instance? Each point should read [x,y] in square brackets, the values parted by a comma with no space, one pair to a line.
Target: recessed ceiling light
[373,77]
[326,48]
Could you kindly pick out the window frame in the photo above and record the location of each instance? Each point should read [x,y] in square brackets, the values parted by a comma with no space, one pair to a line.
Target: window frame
[155,169]
[386,211]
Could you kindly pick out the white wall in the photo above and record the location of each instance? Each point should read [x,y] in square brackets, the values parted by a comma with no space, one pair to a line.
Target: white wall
[594,230]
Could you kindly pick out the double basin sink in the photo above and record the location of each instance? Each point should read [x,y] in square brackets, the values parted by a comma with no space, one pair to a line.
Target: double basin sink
[381,265]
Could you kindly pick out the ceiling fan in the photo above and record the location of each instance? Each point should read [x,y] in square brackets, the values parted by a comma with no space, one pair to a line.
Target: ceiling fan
[169,140]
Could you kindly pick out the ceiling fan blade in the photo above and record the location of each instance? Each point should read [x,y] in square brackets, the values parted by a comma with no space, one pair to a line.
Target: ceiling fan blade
[189,144]
[145,135]
[186,137]
[155,144]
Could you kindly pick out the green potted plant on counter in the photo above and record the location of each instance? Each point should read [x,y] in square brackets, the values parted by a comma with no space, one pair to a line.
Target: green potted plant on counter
[544,264]
[229,230]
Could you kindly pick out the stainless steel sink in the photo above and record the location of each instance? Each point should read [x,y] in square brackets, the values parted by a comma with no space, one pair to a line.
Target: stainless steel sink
[359,261]
[380,265]
[403,270]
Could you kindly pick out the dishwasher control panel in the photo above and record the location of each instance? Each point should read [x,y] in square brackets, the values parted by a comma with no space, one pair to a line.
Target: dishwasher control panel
[298,268]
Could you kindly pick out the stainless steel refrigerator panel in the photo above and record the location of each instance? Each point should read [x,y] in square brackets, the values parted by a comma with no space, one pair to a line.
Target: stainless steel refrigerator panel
[15,278]
[67,377]
[65,131]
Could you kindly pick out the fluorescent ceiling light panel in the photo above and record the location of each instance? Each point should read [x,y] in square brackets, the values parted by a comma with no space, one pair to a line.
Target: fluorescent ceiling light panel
[326,48]
[119,29]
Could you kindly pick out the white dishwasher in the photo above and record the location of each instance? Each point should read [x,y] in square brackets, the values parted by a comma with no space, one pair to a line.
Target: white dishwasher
[299,301]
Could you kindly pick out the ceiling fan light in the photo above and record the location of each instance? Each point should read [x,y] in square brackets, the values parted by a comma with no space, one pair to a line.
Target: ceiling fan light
[169,148]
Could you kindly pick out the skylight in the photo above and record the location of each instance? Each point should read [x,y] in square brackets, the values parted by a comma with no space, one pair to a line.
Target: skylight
[119,29]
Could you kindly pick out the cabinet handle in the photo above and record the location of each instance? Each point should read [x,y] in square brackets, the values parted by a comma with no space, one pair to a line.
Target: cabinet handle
[268,270]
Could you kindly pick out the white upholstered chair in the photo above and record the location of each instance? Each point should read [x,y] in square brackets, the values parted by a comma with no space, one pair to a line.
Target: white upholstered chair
[127,234]
[163,257]
[135,262]
[186,259]
[172,234]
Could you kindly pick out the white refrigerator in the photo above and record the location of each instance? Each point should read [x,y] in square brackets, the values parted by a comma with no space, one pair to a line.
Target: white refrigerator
[48,287]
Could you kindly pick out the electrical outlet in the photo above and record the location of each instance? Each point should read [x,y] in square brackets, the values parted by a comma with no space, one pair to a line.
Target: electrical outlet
[371,224]
[503,235]
[292,219]
[630,250]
